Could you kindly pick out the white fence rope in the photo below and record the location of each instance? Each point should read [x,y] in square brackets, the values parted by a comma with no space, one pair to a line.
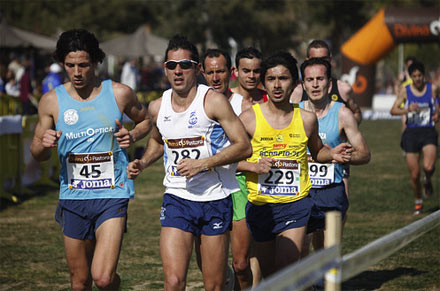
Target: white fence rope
[303,274]
[359,260]
[307,271]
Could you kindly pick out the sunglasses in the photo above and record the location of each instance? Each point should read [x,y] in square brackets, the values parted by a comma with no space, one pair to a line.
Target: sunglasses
[184,64]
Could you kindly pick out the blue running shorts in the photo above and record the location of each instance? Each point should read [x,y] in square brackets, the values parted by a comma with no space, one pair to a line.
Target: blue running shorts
[81,218]
[197,217]
[267,220]
[332,197]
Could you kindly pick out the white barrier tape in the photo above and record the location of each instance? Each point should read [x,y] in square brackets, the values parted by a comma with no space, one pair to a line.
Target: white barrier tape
[304,273]
[359,260]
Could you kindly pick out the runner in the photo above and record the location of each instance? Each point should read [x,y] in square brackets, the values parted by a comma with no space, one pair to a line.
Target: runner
[217,72]
[420,135]
[188,119]
[277,173]
[337,124]
[83,119]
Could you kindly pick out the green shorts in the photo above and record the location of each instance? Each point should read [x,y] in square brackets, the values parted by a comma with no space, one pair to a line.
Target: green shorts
[240,198]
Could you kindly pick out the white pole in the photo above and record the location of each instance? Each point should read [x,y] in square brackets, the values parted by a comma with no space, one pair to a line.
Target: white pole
[333,233]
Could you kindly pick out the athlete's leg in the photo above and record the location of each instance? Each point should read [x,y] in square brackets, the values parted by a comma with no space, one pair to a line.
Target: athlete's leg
[240,241]
[412,160]
[288,246]
[109,237]
[175,252]
[265,255]
[257,274]
[429,158]
[214,255]
[306,245]
[79,255]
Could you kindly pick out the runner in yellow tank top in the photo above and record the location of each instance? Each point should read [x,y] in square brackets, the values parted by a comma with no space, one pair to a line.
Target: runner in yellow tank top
[279,207]
[289,181]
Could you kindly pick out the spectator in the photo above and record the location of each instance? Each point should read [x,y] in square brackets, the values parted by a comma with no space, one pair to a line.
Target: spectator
[53,79]
[130,74]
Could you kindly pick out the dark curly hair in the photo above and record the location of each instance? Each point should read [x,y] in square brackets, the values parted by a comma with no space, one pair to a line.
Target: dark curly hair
[78,40]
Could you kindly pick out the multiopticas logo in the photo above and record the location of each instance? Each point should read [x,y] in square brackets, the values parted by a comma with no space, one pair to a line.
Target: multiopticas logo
[185,142]
[88,132]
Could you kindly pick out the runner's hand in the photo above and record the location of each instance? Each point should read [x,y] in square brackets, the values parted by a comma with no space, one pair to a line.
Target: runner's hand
[134,168]
[50,138]
[123,136]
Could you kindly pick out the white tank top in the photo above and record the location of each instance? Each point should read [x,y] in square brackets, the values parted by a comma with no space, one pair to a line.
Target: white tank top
[191,134]
[236,101]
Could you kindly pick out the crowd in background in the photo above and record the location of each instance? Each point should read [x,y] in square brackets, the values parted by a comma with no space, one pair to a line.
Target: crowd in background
[26,80]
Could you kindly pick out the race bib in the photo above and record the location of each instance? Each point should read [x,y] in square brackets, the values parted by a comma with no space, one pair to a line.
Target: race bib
[420,117]
[90,171]
[321,175]
[184,148]
[283,179]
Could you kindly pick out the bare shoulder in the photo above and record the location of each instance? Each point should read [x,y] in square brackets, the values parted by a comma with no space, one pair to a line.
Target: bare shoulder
[153,108]
[345,114]
[48,103]
[307,116]
[297,93]
[247,115]
[121,90]
[216,103]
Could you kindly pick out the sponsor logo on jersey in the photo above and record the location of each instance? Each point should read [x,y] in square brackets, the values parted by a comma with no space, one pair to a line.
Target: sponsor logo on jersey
[179,143]
[192,120]
[266,138]
[280,138]
[88,132]
[167,118]
[279,146]
[282,153]
[334,97]
[71,116]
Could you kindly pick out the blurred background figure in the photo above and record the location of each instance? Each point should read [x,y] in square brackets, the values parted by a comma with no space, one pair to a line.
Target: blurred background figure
[130,74]
[53,78]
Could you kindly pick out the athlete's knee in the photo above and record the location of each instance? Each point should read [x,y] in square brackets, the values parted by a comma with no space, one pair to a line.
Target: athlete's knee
[214,285]
[107,281]
[81,285]
[429,169]
[173,282]
[241,265]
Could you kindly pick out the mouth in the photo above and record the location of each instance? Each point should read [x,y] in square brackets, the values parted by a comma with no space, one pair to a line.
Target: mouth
[278,94]
[178,81]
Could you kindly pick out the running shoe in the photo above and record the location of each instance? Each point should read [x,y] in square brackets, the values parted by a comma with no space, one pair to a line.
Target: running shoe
[418,208]
[428,189]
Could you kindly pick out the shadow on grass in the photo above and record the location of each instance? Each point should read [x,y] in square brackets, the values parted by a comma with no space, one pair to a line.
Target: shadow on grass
[28,193]
[373,280]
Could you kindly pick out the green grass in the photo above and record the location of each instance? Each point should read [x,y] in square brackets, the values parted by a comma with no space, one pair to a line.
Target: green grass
[381,201]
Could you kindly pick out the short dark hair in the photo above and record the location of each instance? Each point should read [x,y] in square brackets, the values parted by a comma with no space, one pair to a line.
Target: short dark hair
[316,61]
[317,43]
[78,40]
[280,58]
[248,53]
[215,53]
[181,42]
[416,66]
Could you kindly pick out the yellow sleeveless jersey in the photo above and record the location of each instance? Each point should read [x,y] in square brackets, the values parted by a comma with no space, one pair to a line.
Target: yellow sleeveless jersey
[288,180]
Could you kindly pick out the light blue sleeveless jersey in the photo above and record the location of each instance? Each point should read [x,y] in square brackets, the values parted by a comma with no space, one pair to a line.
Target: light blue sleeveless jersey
[86,144]
[329,133]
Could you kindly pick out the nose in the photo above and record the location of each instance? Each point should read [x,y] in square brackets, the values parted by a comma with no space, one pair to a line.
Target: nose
[178,69]
[277,83]
[215,77]
[76,70]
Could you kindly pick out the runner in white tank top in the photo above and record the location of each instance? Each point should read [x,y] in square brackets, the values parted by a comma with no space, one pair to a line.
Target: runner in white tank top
[196,205]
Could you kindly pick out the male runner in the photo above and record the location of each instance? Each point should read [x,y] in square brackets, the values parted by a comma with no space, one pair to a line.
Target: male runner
[337,124]
[82,118]
[420,135]
[216,68]
[277,173]
[248,71]
[338,91]
[188,120]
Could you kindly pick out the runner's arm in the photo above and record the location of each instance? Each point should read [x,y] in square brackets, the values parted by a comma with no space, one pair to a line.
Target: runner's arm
[45,137]
[347,95]
[361,153]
